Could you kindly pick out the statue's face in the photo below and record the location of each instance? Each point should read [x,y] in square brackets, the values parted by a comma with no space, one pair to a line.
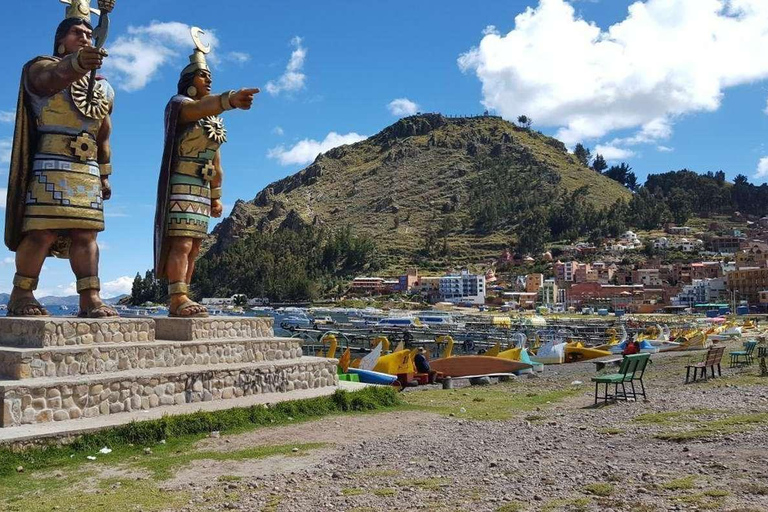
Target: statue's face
[78,37]
[202,83]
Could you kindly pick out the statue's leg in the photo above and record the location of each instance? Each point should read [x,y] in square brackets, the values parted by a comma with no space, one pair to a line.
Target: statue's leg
[178,269]
[30,256]
[84,260]
[192,258]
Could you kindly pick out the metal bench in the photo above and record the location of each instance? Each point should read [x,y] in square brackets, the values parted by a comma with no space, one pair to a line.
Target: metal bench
[632,369]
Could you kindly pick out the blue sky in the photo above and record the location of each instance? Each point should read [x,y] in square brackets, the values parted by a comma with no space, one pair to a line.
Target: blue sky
[655,91]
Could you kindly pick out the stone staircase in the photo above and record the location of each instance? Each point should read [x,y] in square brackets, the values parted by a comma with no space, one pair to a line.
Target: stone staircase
[62,369]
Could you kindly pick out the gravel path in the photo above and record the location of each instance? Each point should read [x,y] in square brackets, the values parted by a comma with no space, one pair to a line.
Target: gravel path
[562,456]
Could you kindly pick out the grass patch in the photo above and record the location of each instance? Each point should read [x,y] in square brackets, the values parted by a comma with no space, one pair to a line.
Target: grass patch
[141,495]
[162,463]
[611,431]
[599,489]
[352,491]
[381,473]
[428,484]
[229,479]
[753,488]
[575,504]
[733,424]
[708,500]
[191,427]
[385,491]
[680,484]
[500,402]
[514,506]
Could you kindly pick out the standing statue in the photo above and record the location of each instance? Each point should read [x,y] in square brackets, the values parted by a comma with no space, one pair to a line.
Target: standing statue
[60,164]
[189,189]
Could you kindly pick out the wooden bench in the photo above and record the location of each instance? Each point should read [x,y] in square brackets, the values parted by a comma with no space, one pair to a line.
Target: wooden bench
[713,358]
[632,369]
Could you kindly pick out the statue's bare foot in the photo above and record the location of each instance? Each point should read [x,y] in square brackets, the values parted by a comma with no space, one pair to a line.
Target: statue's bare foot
[183,307]
[23,303]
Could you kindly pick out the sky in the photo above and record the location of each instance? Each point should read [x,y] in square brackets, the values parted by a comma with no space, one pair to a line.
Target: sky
[660,84]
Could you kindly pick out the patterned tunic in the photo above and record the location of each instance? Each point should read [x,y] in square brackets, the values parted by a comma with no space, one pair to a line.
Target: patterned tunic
[64,191]
[189,206]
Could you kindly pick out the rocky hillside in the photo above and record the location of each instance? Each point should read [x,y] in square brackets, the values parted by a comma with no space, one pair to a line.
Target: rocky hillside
[465,182]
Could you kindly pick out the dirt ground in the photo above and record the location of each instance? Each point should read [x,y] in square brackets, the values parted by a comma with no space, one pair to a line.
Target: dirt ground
[529,444]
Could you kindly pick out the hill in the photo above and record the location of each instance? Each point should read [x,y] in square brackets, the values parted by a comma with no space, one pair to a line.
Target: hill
[428,186]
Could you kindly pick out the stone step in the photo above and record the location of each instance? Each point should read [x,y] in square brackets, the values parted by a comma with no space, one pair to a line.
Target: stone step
[26,363]
[45,400]
[215,327]
[61,332]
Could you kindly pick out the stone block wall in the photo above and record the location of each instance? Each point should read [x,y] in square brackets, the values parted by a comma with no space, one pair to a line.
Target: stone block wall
[22,405]
[60,332]
[193,329]
[99,359]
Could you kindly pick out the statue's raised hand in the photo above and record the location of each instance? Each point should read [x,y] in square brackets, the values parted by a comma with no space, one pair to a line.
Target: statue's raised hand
[243,99]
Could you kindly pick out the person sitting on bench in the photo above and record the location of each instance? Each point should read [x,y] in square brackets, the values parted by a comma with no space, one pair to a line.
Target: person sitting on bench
[633,347]
[422,365]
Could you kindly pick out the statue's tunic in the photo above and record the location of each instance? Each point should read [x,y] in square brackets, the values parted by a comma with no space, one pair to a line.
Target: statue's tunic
[189,200]
[64,189]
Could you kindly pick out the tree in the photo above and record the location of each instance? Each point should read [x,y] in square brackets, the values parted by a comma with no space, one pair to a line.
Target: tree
[525,122]
[621,173]
[599,164]
[582,154]
[631,182]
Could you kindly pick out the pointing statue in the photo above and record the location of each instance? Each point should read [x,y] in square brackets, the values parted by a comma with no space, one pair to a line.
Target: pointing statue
[60,163]
[191,176]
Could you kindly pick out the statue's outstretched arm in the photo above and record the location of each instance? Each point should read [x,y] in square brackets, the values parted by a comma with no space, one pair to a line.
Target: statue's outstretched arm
[215,104]
[105,156]
[47,77]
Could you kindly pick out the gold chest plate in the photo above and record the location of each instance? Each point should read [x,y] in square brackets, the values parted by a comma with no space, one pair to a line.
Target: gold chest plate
[203,138]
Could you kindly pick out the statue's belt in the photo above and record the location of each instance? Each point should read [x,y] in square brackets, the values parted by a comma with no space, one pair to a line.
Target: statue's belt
[196,167]
[81,147]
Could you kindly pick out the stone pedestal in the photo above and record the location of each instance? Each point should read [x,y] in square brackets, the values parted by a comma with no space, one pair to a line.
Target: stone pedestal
[57,369]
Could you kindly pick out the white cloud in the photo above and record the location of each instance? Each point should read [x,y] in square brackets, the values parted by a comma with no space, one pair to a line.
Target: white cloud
[5,150]
[9,260]
[137,57]
[613,153]
[120,286]
[3,197]
[238,57]
[7,117]
[305,151]
[103,246]
[664,149]
[402,107]
[278,131]
[762,169]
[667,58]
[766,107]
[293,79]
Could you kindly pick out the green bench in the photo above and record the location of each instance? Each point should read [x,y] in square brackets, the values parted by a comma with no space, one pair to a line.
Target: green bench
[743,357]
[631,370]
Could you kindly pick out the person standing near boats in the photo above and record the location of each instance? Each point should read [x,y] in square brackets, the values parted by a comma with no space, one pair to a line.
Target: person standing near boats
[191,175]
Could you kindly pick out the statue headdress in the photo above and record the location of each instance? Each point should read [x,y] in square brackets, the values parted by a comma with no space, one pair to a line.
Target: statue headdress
[197,59]
[79,9]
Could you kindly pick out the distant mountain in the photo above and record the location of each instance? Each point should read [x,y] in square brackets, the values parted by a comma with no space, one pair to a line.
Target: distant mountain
[464,183]
[72,300]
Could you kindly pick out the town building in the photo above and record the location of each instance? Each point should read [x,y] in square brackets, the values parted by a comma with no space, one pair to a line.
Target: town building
[549,293]
[463,288]
[409,281]
[367,285]
[746,283]
[724,244]
[646,277]
[533,282]
[755,256]
[701,291]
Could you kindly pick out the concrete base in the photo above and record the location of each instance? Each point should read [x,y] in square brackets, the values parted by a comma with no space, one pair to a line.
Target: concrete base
[61,370]
[64,431]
